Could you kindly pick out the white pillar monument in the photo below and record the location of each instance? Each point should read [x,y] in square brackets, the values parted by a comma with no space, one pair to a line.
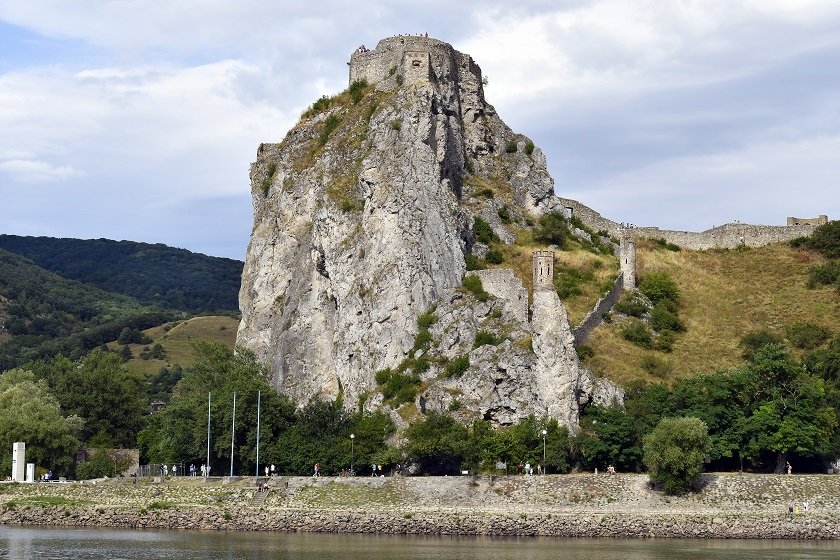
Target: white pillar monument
[18,461]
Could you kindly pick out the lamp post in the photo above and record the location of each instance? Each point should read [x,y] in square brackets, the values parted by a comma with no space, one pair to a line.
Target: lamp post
[352,437]
[545,467]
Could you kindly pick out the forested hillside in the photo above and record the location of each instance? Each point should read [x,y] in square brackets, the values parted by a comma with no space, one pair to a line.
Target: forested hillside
[43,314]
[154,274]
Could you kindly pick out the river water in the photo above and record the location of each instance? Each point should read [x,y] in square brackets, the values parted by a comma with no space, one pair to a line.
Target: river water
[25,543]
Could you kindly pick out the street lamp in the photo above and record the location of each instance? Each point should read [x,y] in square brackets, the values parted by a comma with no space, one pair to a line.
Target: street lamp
[545,467]
[352,437]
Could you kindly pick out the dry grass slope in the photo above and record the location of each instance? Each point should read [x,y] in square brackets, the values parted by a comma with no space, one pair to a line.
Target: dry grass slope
[176,340]
[725,294]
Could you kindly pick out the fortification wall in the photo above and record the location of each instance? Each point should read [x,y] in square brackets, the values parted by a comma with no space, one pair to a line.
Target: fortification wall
[503,284]
[596,316]
[726,236]
[406,55]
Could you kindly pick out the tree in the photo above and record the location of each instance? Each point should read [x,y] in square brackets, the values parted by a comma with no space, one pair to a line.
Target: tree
[791,413]
[29,413]
[438,444]
[674,452]
[98,389]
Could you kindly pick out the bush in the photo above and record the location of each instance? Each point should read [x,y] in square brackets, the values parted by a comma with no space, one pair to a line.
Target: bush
[511,146]
[632,306]
[826,239]
[495,257]
[529,147]
[661,242]
[552,230]
[754,341]
[319,106]
[826,274]
[486,337]
[396,387]
[483,232]
[457,366]
[656,366]
[807,335]
[504,214]
[662,319]
[585,351]
[395,124]
[330,124]
[659,286]
[638,333]
[473,262]
[98,466]
[426,320]
[357,90]
[664,342]
[486,193]
[674,452]
[472,284]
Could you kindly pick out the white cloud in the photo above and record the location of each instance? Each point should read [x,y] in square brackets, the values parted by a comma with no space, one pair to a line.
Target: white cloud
[33,171]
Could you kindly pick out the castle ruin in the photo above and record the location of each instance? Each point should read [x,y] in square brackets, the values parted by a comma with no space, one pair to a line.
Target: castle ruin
[818,221]
[409,58]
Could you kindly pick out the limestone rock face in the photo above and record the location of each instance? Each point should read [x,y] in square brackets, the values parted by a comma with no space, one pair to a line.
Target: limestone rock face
[363,216]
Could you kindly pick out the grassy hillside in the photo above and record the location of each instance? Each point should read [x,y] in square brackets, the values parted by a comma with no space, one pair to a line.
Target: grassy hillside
[176,338]
[43,314]
[152,273]
[725,294]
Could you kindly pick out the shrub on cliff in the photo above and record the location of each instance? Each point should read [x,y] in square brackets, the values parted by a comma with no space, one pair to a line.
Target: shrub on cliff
[483,232]
[674,452]
[552,230]
[472,284]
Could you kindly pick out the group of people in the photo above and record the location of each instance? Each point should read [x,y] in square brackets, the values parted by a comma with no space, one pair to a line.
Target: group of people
[528,469]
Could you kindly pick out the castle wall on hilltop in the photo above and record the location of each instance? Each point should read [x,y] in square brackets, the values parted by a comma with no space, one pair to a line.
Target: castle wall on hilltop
[727,236]
[415,58]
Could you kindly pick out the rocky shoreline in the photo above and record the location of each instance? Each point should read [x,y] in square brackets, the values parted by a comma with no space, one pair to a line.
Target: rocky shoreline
[729,506]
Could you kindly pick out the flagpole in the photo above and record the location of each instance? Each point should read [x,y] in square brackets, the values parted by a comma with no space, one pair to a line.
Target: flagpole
[207,465]
[232,431]
[259,395]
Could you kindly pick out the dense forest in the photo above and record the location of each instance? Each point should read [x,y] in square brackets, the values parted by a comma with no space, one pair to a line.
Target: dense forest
[154,274]
[43,314]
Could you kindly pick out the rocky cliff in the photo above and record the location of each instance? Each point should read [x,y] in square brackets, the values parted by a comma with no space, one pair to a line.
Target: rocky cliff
[363,218]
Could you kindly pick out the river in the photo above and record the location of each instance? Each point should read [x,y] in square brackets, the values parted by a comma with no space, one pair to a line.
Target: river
[25,543]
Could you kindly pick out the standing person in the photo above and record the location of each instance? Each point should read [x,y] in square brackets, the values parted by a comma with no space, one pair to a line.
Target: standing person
[788,467]
[266,472]
[317,469]
[805,505]
[192,470]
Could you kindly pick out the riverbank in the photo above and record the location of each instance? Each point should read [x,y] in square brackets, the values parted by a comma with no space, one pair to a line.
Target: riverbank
[576,505]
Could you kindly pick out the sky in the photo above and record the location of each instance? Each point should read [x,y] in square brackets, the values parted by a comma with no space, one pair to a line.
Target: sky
[139,119]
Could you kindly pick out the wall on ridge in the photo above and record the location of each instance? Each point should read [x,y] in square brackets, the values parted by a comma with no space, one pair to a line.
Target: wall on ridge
[596,316]
[727,236]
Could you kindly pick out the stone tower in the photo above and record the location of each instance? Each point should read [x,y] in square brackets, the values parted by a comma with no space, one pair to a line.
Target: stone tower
[627,256]
[543,270]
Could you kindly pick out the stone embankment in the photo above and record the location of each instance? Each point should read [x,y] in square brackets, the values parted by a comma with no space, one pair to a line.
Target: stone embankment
[727,506]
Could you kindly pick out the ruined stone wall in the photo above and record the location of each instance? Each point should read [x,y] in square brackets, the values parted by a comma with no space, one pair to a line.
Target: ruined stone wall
[503,284]
[398,55]
[726,236]
[818,221]
[596,316]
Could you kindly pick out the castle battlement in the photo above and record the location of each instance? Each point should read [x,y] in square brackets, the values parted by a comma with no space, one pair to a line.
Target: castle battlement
[415,58]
